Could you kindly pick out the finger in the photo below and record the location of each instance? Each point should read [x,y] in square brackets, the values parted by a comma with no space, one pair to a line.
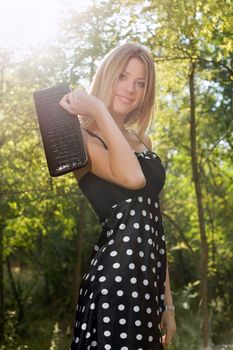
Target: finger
[71,97]
[63,100]
[167,338]
[165,343]
[164,340]
[65,104]
[74,98]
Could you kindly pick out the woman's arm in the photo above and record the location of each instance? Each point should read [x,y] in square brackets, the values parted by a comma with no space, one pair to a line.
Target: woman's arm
[168,300]
[168,322]
[119,164]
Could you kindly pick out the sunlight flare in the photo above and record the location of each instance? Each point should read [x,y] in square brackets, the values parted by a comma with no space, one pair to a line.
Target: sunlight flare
[29,23]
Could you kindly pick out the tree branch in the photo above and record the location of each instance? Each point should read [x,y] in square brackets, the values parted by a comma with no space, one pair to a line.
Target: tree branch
[202,163]
[184,239]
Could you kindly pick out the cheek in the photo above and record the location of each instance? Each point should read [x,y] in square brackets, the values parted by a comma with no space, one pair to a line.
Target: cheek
[140,95]
[118,86]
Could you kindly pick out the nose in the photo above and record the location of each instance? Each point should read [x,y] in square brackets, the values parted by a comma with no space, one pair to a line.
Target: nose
[130,86]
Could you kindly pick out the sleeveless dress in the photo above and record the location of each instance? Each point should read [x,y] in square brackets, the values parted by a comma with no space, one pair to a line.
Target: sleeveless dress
[121,294]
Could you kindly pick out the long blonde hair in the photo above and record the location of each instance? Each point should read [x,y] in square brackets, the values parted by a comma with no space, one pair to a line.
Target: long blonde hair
[108,74]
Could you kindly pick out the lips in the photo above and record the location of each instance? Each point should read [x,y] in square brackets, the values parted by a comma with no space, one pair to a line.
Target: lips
[125,99]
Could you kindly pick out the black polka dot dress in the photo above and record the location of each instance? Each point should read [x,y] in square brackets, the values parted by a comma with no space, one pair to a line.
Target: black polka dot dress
[122,292]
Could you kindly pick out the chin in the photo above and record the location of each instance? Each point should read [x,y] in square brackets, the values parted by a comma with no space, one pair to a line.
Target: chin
[121,110]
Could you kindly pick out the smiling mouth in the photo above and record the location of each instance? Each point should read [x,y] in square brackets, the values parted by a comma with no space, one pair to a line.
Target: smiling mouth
[125,99]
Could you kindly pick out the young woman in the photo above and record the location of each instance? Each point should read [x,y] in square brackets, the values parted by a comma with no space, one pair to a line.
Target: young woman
[125,298]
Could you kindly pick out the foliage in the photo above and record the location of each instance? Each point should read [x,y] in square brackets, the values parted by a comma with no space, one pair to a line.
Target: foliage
[40,217]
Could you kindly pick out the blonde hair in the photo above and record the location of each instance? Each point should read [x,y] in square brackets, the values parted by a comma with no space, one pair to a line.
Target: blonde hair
[107,76]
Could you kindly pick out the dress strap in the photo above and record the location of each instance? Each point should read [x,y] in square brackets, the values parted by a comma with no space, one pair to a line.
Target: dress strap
[94,135]
[105,146]
[140,140]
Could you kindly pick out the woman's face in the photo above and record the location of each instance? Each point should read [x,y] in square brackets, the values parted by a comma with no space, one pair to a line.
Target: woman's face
[129,90]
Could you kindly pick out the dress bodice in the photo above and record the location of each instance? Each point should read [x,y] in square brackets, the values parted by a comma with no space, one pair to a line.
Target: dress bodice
[103,194]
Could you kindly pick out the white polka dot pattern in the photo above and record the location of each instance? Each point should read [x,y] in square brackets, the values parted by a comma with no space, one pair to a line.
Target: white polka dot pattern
[122,291]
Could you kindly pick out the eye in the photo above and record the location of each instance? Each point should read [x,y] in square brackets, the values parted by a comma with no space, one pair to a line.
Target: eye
[122,76]
[141,84]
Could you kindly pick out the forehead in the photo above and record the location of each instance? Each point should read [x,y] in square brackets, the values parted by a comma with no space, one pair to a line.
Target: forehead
[136,67]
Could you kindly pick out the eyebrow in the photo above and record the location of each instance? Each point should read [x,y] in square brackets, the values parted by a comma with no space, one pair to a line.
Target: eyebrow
[129,74]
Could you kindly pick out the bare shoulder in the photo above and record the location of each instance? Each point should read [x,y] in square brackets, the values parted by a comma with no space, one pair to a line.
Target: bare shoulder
[147,141]
[100,164]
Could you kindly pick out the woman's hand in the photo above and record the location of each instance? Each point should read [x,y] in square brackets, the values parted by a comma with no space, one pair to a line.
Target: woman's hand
[79,102]
[168,326]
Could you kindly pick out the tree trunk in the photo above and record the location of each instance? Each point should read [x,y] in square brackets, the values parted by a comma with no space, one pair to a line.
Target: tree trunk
[201,216]
[1,286]
[15,292]
[79,249]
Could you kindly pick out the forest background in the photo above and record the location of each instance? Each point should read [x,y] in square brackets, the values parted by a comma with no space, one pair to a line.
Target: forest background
[47,227]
